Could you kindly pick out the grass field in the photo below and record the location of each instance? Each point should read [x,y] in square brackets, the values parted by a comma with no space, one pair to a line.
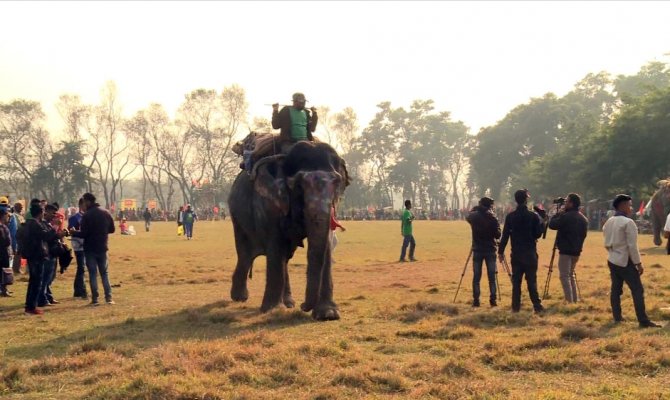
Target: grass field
[174,334]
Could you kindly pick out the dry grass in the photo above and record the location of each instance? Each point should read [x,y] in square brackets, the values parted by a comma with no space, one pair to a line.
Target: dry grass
[174,334]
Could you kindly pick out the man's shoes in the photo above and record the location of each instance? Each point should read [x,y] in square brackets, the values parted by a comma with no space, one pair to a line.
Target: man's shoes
[35,311]
[402,260]
[650,324]
[110,302]
[95,303]
[493,303]
[54,302]
[475,303]
[413,259]
[6,294]
[619,320]
[538,309]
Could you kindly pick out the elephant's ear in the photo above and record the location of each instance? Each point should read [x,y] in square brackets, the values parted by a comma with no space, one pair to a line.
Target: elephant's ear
[269,182]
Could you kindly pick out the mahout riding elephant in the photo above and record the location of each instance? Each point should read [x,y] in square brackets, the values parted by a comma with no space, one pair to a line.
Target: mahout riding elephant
[282,201]
[660,207]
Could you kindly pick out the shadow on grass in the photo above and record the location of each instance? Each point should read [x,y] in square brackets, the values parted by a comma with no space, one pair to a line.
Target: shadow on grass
[211,321]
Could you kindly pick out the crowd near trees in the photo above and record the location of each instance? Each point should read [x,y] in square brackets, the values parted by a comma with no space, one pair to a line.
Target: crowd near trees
[608,134]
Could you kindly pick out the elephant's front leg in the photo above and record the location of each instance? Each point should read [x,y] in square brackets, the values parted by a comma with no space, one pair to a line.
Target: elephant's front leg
[239,291]
[275,282]
[326,309]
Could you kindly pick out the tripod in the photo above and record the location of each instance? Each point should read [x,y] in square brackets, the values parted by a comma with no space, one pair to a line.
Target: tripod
[553,256]
[463,274]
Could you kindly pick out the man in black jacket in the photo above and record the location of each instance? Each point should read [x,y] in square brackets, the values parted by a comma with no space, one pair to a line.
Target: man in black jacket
[572,227]
[295,122]
[35,245]
[524,227]
[485,231]
[96,225]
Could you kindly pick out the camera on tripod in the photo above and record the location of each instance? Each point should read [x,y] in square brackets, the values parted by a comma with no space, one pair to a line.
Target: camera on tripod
[559,201]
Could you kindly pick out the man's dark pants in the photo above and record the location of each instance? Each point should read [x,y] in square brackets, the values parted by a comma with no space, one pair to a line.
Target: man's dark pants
[478,260]
[96,262]
[524,264]
[16,262]
[408,240]
[36,270]
[631,277]
[48,277]
[79,278]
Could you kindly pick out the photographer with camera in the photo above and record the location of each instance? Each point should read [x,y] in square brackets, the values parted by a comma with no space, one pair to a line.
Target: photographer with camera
[571,226]
[485,231]
[524,227]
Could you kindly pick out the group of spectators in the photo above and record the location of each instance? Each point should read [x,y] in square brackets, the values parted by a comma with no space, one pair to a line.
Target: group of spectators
[38,238]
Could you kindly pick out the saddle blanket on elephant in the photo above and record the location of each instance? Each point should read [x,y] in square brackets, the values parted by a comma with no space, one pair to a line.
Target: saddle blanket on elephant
[260,145]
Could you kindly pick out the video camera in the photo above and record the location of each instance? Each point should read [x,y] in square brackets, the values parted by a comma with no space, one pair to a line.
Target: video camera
[559,201]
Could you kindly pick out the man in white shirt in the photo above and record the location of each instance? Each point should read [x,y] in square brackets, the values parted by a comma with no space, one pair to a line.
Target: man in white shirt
[666,231]
[624,260]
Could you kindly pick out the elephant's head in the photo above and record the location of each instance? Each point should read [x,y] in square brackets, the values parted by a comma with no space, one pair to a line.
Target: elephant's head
[270,183]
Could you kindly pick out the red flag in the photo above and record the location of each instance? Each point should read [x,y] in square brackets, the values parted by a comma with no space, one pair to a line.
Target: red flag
[641,211]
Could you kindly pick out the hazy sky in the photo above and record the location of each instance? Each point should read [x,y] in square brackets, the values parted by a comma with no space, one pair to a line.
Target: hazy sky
[477,60]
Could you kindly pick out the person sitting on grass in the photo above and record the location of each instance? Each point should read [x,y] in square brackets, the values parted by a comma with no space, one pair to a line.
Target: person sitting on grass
[123,227]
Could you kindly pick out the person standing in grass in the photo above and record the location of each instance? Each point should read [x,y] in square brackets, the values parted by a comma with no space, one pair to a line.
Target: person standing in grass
[96,225]
[485,231]
[624,260]
[572,227]
[147,219]
[334,224]
[36,250]
[5,245]
[407,233]
[74,222]
[189,219]
[523,227]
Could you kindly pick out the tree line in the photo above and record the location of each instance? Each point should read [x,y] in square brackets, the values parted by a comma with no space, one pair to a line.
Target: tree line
[607,135]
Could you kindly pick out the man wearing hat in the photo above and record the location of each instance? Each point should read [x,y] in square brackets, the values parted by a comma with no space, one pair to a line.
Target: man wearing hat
[485,231]
[624,260]
[524,227]
[295,122]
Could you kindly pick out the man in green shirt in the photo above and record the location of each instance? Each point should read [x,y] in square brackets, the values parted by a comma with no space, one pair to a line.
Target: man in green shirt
[296,123]
[406,231]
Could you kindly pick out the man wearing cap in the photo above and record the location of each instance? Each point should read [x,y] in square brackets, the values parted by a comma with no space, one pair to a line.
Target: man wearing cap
[624,260]
[295,122]
[485,231]
[524,227]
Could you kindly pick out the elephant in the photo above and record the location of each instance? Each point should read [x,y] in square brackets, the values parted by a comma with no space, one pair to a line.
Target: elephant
[660,207]
[283,200]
